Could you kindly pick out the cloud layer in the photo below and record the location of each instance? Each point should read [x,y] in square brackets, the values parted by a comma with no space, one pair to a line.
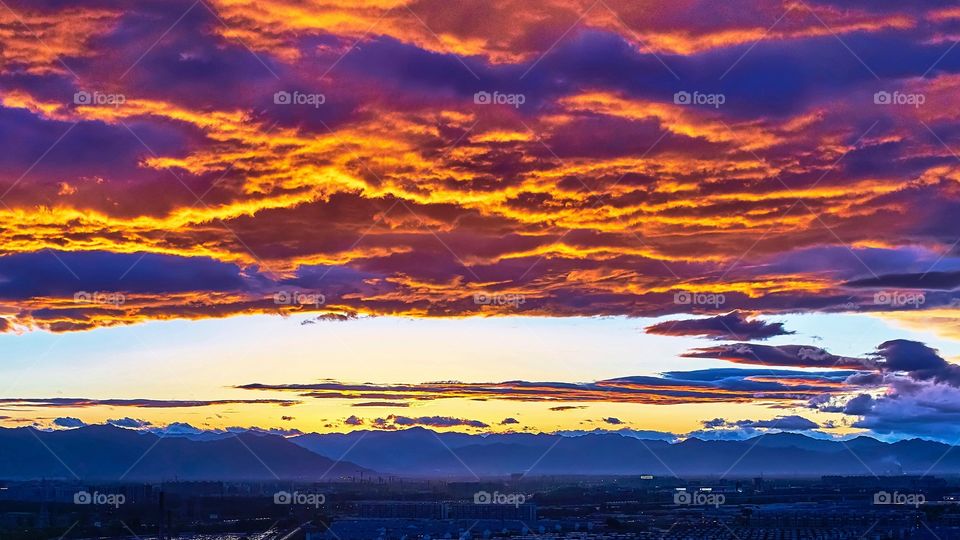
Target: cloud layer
[901,388]
[706,386]
[557,157]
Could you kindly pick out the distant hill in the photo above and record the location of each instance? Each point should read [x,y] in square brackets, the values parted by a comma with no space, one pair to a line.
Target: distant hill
[110,453]
[422,452]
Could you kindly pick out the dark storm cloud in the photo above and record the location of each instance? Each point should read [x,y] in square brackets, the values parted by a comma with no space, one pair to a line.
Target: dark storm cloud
[25,275]
[782,355]
[927,280]
[732,326]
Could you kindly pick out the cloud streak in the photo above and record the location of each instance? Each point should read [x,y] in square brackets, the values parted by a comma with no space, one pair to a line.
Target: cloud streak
[707,386]
[67,403]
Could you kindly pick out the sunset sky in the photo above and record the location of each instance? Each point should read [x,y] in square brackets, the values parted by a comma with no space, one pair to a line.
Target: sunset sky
[689,217]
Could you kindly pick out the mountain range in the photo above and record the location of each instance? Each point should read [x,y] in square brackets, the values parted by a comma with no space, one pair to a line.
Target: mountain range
[111,453]
[422,452]
[108,453]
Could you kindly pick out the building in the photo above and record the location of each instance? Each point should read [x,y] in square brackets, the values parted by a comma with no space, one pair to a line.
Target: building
[520,512]
[400,510]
